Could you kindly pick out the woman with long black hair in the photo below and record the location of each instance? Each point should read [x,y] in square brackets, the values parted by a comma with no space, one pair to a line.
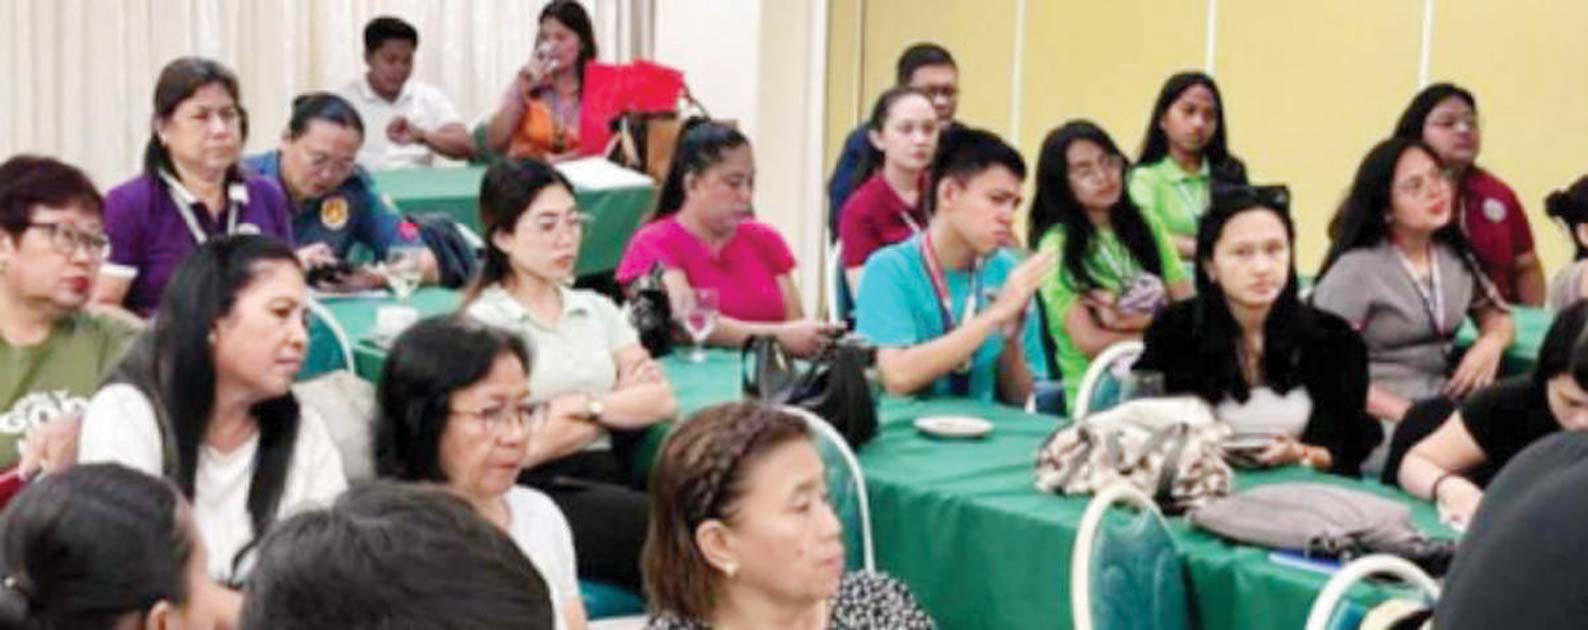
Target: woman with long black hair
[1117,264]
[1183,151]
[1401,273]
[1267,363]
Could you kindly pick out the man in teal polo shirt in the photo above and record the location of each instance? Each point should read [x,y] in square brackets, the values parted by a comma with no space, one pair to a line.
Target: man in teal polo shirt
[334,202]
[950,309]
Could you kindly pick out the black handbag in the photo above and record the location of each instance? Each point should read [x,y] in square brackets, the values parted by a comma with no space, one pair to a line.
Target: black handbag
[651,312]
[833,386]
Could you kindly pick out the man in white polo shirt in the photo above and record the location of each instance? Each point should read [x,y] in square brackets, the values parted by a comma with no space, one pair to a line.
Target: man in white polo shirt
[408,120]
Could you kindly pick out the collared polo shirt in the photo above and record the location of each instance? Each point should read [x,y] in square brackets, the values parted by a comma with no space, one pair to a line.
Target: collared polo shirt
[1177,198]
[744,272]
[577,354]
[149,236]
[351,214]
[1495,223]
[424,105]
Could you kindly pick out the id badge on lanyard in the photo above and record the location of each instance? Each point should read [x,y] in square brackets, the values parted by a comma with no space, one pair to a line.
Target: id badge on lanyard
[1432,297]
[960,378]
[184,201]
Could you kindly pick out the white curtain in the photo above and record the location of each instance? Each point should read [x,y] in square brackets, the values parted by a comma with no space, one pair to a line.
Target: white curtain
[77,76]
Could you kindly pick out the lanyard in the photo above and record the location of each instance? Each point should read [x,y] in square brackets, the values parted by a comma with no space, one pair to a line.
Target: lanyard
[1125,274]
[1187,203]
[1434,300]
[945,302]
[915,228]
[184,199]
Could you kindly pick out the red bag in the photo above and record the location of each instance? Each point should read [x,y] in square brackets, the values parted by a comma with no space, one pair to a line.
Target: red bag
[611,90]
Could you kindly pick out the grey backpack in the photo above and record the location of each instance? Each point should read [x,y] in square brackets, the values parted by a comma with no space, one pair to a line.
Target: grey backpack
[1322,519]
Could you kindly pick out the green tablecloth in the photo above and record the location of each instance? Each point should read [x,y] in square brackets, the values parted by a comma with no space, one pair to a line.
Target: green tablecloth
[357,317]
[615,213]
[1531,324]
[962,524]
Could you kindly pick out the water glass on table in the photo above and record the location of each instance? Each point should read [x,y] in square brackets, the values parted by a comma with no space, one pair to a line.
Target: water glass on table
[1140,384]
[699,318]
[404,269]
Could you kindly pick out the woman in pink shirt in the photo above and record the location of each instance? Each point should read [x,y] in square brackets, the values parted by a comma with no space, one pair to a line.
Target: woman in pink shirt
[886,206]
[705,236]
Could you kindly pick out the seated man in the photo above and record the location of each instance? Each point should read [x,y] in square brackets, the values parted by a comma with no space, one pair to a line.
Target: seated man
[333,203]
[409,120]
[394,556]
[947,309]
[925,66]
[52,353]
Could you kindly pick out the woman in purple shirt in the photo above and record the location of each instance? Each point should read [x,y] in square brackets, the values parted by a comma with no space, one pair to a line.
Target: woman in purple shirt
[191,188]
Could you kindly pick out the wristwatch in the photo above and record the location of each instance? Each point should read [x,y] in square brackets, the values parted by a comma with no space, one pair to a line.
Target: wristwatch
[594,410]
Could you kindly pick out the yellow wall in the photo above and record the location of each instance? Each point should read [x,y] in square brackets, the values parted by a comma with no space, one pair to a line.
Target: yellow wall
[1308,86]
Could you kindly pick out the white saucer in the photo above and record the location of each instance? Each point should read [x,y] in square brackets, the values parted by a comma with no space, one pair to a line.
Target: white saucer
[953,426]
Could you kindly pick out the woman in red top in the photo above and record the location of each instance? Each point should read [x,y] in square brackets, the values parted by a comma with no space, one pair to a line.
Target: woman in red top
[1445,116]
[886,207]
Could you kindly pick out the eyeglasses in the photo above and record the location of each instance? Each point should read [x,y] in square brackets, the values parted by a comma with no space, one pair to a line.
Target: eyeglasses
[546,225]
[67,240]
[1419,185]
[496,419]
[322,163]
[1231,198]
[940,91]
[1096,172]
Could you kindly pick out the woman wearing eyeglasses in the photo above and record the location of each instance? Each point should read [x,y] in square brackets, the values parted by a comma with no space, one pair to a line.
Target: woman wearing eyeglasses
[1488,212]
[455,410]
[1267,363]
[52,352]
[1401,273]
[1117,264]
[191,190]
[602,387]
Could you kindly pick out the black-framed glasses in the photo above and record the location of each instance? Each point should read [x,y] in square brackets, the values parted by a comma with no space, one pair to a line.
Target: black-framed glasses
[1238,197]
[494,419]
[67,240]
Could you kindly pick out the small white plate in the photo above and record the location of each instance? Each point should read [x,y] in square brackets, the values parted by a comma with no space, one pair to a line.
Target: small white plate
[953,426]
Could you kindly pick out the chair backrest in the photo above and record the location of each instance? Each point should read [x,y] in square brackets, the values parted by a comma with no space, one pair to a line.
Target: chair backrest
[1323,615]
[833,289]
[329,348]
[846,486]
[1099,389]
[1132,561]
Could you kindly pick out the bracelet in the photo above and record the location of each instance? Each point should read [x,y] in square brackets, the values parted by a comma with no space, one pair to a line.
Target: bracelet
[1433,491]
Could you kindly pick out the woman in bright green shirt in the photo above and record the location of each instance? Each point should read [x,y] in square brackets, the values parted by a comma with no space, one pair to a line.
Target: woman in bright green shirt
[1117,265]
[1184,150]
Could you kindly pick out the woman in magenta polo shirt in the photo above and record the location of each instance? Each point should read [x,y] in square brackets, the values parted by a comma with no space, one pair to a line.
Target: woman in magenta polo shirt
[191,188]
[886,206]
[1446,117]
[705,236]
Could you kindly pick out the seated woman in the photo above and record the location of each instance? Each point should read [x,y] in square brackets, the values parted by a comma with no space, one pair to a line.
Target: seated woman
[455,410]
[742,535]
[603,388]
[53,352]
[1268,363]
[949,309]
[104,547]
[887,205]
[204,399]
[539,114]
[705,235]
[1570,207]
[333,202]
[1445,116]
[191,189]
[1118,265]
[1500,420]
[1400,272]
[1184,151]
[389,555]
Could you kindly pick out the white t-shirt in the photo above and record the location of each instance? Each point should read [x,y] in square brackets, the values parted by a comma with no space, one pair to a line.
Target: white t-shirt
[424,105]
[541,532]
[1267,412]
[120,427]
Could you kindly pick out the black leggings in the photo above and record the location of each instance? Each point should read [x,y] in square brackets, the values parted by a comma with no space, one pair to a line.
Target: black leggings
[607,516]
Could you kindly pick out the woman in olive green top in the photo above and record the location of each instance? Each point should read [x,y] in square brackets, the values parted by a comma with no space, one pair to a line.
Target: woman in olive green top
[1117,263]
[1184,151]
[52,354]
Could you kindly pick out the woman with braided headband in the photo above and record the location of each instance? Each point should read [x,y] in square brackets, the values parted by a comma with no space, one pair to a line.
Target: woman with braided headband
[742,534]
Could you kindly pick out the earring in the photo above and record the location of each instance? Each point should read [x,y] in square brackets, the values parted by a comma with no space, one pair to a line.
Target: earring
[730,569]
[211,338]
